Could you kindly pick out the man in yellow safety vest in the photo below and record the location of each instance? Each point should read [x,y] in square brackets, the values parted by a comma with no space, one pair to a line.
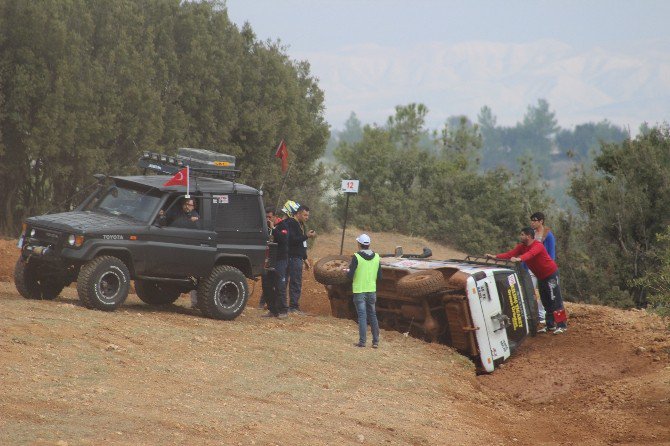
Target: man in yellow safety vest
[364,271]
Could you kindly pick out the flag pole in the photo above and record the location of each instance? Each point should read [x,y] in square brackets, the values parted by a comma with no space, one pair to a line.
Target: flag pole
[283,183]
[188,179]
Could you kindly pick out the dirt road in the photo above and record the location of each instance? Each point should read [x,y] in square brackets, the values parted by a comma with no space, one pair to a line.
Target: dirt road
[144,375]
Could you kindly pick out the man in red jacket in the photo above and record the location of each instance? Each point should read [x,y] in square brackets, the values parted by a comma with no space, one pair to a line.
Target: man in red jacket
[535,255]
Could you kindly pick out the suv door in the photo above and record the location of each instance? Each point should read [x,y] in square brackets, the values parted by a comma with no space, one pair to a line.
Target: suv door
[239,220]
[182,252]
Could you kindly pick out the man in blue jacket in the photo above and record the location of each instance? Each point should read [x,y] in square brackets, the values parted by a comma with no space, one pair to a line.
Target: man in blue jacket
[546,236]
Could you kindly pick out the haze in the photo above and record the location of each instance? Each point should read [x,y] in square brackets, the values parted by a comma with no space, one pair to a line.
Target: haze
[590,60]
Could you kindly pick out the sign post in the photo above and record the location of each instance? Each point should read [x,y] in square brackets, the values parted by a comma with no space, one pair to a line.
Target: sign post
[348,187]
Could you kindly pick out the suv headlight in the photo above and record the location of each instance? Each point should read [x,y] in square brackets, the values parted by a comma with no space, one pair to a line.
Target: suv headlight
[75,240]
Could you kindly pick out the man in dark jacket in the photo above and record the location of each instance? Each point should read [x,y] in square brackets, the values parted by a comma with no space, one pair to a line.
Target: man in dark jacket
[281,237]
[184,217]
[297,254]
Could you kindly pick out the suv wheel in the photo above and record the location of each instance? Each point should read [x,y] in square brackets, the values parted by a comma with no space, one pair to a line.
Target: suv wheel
[224,293]
[156,293]
[103,283]
[330,270]
[421,284]
[31,285]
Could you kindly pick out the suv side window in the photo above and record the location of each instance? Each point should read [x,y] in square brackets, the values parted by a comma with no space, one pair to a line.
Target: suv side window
[237,212]
[173,212]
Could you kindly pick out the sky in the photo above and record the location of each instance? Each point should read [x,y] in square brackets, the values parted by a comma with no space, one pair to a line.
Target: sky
[591,60]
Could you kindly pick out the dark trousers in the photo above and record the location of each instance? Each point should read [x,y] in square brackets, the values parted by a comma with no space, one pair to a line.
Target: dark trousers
[295,278]
[550,294]
[269,296]
[281,279]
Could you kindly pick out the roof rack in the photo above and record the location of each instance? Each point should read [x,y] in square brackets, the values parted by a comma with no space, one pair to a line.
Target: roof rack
[200,161]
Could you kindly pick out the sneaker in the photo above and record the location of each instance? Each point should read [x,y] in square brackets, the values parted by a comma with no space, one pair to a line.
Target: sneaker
[269,314]
[546,329]
[375,345]
[359,344]
[296,311]
[560,330]
[282,316]
[542,322]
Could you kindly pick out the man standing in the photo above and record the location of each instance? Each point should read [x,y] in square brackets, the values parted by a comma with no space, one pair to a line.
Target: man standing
[364,271]
[297,254]
[535,255]
[542,234]
[281,237]
[268,279]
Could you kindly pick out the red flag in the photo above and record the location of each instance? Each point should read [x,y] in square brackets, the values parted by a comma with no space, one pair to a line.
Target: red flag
[179,179]
[282,152]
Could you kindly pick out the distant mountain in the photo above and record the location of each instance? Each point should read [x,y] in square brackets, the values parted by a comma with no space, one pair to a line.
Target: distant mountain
[625,85]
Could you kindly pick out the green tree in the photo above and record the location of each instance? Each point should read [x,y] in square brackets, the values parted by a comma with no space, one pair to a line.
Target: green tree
[85,86]
[656,280]
[624,202]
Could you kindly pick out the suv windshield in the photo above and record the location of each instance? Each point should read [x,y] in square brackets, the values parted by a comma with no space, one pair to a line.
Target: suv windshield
[127,202]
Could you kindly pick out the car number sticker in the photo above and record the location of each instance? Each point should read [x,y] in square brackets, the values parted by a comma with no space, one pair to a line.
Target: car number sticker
[220,199]
[511,279]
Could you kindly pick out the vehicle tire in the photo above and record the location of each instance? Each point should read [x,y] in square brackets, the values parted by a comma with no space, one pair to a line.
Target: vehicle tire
[103,283]
[156,293]
[30,284]
[329,270]
[421,283]
[224,294]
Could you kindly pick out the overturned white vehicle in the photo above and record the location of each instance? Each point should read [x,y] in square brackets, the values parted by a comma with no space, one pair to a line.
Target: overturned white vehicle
[482,308]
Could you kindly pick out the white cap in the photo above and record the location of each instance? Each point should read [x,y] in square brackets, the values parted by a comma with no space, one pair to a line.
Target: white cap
[363,239]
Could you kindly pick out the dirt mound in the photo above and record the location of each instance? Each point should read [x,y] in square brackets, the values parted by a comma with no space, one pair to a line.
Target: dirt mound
[144,375]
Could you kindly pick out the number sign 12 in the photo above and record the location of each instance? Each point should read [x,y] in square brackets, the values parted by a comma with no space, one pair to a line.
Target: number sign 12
[350,186]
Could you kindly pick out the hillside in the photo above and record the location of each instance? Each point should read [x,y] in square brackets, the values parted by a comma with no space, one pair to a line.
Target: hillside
[144,375]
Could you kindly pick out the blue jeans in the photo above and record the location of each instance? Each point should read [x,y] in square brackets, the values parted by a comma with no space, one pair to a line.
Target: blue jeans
[550,294]
[365,307]
[281,277]
[295,282]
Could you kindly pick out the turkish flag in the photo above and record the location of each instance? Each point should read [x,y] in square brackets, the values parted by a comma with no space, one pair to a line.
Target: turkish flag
[179,179]
[282,152]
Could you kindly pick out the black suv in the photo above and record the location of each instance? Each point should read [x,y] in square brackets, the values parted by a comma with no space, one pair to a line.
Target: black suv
[117,234]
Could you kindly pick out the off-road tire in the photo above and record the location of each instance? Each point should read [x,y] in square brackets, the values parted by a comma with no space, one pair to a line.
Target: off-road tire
[224,294]
[421,283]
[156,293]
[29,284]
[329,270]
[103,283]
